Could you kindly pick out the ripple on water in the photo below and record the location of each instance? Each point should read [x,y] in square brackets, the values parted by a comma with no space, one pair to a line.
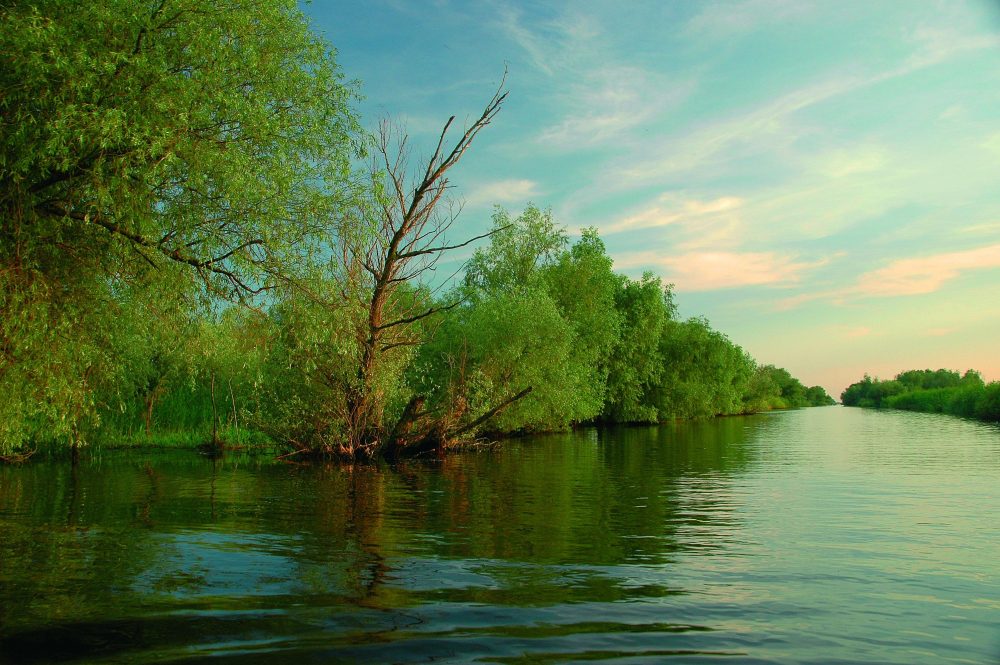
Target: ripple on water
[814,536]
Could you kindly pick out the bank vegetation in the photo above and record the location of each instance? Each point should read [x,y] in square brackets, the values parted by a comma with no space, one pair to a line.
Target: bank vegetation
[929,391]
[191,254]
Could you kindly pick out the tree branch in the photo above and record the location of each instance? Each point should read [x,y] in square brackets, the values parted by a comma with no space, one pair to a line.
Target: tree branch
[423,315]
[489,414]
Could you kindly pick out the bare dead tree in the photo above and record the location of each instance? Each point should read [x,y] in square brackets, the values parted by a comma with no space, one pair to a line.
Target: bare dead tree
[405,240]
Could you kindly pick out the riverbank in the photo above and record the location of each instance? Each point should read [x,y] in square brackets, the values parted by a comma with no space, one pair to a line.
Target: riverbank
[230,439]
[928,391]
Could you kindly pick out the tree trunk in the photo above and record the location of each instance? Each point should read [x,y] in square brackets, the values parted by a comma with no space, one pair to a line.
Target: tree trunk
[215,415]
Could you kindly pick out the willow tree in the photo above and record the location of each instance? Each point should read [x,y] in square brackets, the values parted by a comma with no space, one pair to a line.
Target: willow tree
[407,223]
[194,145]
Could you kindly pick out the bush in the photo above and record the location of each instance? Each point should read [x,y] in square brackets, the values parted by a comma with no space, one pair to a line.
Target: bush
[988,404]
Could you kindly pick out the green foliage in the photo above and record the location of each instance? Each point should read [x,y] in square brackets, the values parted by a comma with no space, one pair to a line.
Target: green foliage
[988,403]
[538,315]
[871,392]
[518,249]
[311,361]
[763,392]
[940,391]
[817,396]
[506,342]
[775,388]
[584,287]
[207,133]
[178,147]
[162,162]
[636,365]
[927,380]
[197,375]
[705,373]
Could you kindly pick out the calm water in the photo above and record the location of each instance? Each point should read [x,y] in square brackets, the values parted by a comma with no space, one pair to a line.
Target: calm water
[826,535]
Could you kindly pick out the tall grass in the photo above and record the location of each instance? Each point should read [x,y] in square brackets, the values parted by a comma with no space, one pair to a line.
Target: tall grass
[181,418]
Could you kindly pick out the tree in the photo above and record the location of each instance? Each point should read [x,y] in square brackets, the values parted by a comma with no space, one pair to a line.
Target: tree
[583,285]
[816,396]
[763,392]
[395,235]
[636,365]
[858,392]
[198,145]
[519,249]
[409,237]
[705,374]
[496,349]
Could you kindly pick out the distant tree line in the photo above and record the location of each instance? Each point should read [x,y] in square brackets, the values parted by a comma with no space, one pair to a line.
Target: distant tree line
[930,391]
[189,253]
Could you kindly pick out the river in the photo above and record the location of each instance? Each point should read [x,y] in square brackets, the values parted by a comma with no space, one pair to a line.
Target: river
[824,535]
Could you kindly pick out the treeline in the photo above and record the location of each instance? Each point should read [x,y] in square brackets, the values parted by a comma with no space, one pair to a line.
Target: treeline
[187,252]
[940,391]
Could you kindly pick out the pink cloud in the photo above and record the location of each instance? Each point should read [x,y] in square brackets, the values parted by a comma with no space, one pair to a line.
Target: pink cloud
[940,332]
[855,333]
[925,274]
[707,271]
[906,277]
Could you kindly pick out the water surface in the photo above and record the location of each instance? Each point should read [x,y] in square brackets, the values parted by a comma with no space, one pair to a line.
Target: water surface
[826,535]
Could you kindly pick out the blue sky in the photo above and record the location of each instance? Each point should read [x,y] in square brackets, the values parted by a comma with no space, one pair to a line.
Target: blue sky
[819,179]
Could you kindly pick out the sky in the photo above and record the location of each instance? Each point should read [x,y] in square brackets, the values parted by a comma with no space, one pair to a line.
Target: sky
[821,180]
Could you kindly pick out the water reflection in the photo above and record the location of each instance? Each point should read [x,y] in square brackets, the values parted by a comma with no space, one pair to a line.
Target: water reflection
[599,544]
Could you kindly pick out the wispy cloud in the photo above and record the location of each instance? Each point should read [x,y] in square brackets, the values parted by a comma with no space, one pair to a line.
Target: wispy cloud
[992,144]
[760,130]
[925,274]
[988,229]
[727,19]
[669,209]
[857,332]
[905,277]
[768,128]
[548,44]
[534,47]
[600,96]
[502,192]
[940,332]
[708,271]
[842,163]
[609,102]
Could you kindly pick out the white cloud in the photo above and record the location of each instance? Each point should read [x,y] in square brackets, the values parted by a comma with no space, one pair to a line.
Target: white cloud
[609,102]
[934,44]
[762,130]
[988,229]
[501,192]
[992,144]
[549,45]
[940,332]
[953,112]
[669,210]
[726,19]
[767,128]
[842,163]
[817,205]
[510,23]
